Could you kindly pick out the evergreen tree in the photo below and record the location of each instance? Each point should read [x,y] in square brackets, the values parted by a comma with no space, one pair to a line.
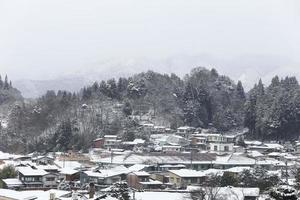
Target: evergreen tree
[240,90]
[1,82]
[6,84]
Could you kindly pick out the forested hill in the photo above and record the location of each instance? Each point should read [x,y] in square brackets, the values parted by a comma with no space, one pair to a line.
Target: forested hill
[8,97]
[203,98]
[273,112]
[8,94]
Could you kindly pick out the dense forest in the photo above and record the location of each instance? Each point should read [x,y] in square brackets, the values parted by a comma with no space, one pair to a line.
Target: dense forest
[62,120]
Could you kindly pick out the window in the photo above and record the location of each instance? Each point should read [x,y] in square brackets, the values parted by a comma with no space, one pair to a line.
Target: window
[50,179]
[215,148]
[226,148]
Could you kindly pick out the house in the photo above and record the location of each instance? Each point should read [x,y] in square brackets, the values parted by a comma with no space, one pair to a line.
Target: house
[102,177]
[142,180]
[31,177]
[134,179]
[171,149]
[176,140]
[184,177]
[147,127]
[198,141]
[233,160]
[98,143]
[13,183]
[185,131]
[159,129]
[50,180]
[69,174]
[266,147]
[221,147]
[111,141]
[43,160]
[133,144]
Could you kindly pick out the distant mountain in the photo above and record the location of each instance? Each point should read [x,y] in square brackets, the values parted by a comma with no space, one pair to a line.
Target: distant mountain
[248,69]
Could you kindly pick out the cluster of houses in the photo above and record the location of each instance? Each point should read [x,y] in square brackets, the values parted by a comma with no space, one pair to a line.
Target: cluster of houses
[167,161]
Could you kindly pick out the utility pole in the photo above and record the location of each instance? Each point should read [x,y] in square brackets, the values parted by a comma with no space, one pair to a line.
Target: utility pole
[286,173]
[111,156]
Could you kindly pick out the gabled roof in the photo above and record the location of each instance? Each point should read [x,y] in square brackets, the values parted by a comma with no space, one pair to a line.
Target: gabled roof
[28,171]
[187,173]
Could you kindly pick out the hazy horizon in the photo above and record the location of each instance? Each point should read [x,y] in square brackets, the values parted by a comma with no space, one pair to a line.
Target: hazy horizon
[45,40]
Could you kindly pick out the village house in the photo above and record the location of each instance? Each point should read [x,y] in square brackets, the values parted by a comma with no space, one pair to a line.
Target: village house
[159,129]
[184,177]
[69,174]
[103,177]
[98,143]
[32,177]
[220,147]
[185,131]
[171,149]
[13,183]
[111,141]
[142,180]
[43,160]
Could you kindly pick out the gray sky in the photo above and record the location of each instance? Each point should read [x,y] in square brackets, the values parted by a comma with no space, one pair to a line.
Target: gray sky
[42,39]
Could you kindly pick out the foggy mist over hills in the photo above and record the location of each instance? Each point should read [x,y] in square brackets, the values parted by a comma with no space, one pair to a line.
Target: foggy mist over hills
[86,42]
[248,69]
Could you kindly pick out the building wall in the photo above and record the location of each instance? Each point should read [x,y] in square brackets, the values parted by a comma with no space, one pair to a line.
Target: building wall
[223,147]
[175,180]
[133,181]
[50,183]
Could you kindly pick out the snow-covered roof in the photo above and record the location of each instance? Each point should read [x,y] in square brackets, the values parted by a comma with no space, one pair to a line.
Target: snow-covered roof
[110,136]
[185,128]
[173,166]
[157,158]
[6,156]
[254,142]
[274,146]
[184,173]
[237,169]
[141,173]
[43,157]
[135,142]
[68,164]
[16,195]
[255,154]
[161,195]
[44,195]
[106,173]
[137,167]
[28,171]
[234,159]
[151,182]
[159,127]
[68,171]
[12,181]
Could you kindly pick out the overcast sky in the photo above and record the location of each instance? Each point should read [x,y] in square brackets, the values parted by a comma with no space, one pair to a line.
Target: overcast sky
[41,39]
